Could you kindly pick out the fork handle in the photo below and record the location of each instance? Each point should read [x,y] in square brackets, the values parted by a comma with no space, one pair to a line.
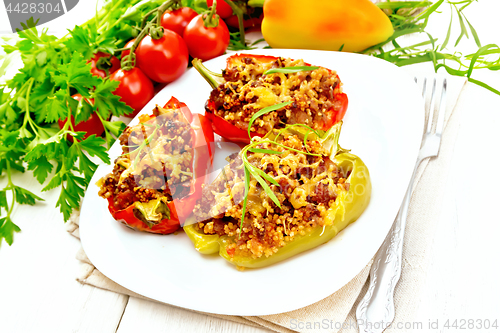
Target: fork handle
[375,312]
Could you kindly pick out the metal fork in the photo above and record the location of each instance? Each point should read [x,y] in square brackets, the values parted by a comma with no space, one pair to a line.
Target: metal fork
[375,312]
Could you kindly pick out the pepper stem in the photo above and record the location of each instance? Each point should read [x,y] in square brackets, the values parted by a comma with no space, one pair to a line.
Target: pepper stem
[239,12]
[213,79]
[330,139]
[256,3]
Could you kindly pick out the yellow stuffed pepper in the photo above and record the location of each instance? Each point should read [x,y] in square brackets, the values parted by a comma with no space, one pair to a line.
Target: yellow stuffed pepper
[281,195]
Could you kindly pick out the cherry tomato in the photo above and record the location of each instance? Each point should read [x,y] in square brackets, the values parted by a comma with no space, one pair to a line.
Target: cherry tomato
[177,20]
[91,126]
[111,63]
[129,44]
[135,88]
[223,9]
[163,60]
[206,43]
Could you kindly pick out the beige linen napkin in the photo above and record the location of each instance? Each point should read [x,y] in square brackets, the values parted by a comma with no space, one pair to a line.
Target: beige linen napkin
[336,313]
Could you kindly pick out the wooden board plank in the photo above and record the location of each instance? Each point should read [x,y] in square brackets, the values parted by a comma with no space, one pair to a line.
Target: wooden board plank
[39,290]
[146,316]
[463,277]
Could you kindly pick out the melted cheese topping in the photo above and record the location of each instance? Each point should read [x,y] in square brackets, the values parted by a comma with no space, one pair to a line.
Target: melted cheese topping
[158,151]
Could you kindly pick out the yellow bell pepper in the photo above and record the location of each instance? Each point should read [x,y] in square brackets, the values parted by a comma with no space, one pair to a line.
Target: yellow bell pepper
[353,25]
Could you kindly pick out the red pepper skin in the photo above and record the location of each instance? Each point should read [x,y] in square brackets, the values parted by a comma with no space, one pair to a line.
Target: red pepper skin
[203,158]
[174,103]
[259,58]
[180,209]
[127,217]
[342,98]
[235,134]
[221,126]
[224,128]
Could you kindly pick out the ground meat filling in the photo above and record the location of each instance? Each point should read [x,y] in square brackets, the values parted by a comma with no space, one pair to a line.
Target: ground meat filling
[156,160]
[246,91]
[308,187]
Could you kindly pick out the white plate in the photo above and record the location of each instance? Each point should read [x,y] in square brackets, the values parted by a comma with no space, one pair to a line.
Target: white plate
[383,126]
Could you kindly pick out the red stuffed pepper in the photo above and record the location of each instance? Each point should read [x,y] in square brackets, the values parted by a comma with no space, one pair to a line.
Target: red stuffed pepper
[250,83]
[158,178]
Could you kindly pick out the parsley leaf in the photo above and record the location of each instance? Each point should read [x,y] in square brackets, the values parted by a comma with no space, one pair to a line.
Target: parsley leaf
[105,102]
[41,168]
[23,196]
[7,229]
[95,147]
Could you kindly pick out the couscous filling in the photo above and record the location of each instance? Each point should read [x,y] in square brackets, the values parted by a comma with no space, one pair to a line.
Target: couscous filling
[308,187]
[155,162]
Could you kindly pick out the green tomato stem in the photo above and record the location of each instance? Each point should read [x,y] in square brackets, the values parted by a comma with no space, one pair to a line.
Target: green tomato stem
[145,18]
[169,4]
[239,12]
[128,62]
[210,18]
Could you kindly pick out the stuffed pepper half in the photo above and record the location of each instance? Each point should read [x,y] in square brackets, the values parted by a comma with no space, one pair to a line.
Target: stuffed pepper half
[158,178]
[250,83]
[280,196]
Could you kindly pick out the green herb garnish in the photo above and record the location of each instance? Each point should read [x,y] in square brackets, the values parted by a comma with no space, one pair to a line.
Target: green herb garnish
[411,17]
[259,175]
[263,111]
[291,69]
[145,143]
[262,177]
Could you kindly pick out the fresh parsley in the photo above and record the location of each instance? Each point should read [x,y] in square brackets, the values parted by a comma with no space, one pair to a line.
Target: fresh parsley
[40,95]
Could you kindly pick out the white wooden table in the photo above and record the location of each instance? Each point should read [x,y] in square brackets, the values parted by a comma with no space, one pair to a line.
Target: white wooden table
[39,293]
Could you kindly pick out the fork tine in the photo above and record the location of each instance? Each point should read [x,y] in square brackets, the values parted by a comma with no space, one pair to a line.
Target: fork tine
[431,107]
[424,93]
[442,109]
[424,89]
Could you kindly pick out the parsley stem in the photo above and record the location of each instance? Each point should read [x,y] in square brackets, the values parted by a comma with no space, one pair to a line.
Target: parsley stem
[69,122]
[27,116]
[112,10]
[106,132]
[20,90]
[12,188]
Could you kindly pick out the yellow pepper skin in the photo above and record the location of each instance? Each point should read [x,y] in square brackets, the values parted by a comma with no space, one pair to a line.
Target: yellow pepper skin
[324,24]
[205,244]
[349,206]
